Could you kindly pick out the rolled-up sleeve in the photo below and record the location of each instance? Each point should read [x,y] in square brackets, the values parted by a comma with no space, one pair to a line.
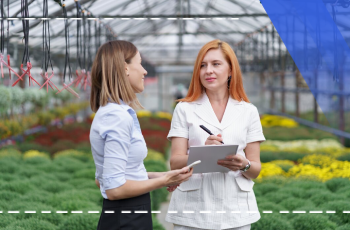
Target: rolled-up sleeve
[179,126]
[255,131]
[117,131]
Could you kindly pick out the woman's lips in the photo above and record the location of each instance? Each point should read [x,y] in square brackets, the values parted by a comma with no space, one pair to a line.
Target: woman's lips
[210,79]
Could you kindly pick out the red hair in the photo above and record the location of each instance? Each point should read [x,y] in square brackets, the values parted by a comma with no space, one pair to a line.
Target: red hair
[236,90]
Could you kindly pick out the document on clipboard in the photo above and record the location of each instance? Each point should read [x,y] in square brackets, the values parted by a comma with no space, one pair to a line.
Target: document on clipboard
[209,156]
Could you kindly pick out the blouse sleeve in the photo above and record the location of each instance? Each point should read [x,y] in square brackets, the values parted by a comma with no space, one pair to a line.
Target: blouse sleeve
[179,127]
[255,131]
[117,131]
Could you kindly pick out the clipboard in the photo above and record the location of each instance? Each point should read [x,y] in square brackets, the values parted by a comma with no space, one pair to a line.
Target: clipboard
[209,155]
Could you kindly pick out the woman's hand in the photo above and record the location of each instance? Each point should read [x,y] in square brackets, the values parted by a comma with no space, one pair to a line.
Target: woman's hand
[214,140]
[234,163]
[176,177]
[172,188]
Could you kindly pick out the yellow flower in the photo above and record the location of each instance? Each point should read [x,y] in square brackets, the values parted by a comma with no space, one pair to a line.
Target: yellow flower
[154,155]
[270,169]
[143,113]
[163,115]
[34,153]
[273,120]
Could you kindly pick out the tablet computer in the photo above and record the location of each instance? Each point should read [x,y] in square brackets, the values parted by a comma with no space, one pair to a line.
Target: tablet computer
[209,156]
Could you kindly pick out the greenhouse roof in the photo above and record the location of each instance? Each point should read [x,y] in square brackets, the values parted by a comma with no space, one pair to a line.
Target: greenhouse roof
[167,32]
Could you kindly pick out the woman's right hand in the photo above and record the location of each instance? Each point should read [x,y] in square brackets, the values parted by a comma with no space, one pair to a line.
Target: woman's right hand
[214,140]
[176,177]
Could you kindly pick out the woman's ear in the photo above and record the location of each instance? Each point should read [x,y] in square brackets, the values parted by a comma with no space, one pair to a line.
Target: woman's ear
[126,68]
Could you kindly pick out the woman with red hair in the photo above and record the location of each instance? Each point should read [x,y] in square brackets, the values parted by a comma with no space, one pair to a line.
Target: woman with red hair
[217,100]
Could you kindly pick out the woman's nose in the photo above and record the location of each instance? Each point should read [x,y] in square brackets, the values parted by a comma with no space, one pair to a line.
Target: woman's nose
[209,69]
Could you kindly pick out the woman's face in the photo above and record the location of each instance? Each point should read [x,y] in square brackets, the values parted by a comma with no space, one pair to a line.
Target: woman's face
[136,73]
[214,71]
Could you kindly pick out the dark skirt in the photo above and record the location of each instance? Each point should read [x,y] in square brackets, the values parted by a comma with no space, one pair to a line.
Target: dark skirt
[112,217]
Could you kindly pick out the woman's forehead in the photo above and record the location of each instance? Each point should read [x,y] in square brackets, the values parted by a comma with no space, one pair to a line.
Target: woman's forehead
[214,54]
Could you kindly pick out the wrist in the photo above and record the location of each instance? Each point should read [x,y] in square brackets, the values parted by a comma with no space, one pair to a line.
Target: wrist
[161,181]
[246,166]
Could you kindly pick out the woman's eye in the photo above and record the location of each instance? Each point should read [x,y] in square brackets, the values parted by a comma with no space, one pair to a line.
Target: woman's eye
[202,65]
[216,64]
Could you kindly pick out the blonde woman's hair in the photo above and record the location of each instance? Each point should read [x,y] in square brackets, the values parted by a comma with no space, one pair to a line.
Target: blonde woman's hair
[108,78]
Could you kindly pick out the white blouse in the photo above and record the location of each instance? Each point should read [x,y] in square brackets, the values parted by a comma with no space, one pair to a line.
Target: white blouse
[215,200]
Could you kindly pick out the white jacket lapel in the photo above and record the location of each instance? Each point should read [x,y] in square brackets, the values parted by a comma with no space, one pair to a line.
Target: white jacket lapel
[233,110]
[205,111]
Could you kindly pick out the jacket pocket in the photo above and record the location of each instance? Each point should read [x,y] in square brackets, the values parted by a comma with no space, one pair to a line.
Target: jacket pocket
[246,197]
[194,183]
[244,183]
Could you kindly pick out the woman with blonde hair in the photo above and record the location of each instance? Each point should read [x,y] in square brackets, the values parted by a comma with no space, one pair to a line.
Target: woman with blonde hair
[217,100]
[117,144]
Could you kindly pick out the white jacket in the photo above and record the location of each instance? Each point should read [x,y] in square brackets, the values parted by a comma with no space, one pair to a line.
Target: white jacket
[215,200]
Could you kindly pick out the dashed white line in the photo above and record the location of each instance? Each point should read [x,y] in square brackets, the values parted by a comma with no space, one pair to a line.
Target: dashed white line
[93,211]
[172,211]
[330,211]
[316,211]
[346,211]
[299,211]
[109,211]
[61,211]
[29,211]
[76,211]
[284,211]
[267,211]
[141,211]
[126,211]
[13,212]
[155,211]
[45,211]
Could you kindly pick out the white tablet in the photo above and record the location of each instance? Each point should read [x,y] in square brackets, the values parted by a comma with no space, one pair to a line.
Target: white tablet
[209,156]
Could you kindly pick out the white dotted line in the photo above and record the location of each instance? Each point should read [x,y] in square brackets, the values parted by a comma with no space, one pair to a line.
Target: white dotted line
[174,212]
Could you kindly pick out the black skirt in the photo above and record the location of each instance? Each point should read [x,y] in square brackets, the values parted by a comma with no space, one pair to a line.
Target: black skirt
[120,214]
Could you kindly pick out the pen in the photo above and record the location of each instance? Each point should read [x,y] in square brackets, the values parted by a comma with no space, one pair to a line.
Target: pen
[208,131]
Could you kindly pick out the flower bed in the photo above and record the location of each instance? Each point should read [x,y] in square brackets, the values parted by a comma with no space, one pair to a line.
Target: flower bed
[33,181]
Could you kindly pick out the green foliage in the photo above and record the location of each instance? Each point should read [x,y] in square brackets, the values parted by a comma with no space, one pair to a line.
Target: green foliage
[26,146]
[31,223]
[6,220]
[324,196]
[312,222]
[277,197]
[343,227]
[267,156]
[85,173]
[5,99]
[337,183]
[9,196]
[345,157]
[156,224]
[10,152]
[19,186]
[296,133]
[265,188]
[272,222]
[339,206]
[293,203]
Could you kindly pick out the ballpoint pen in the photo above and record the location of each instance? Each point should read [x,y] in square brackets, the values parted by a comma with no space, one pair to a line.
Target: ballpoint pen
[208,131]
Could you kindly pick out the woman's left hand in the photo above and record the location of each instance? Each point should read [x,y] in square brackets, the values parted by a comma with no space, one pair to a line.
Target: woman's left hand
[234,163]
